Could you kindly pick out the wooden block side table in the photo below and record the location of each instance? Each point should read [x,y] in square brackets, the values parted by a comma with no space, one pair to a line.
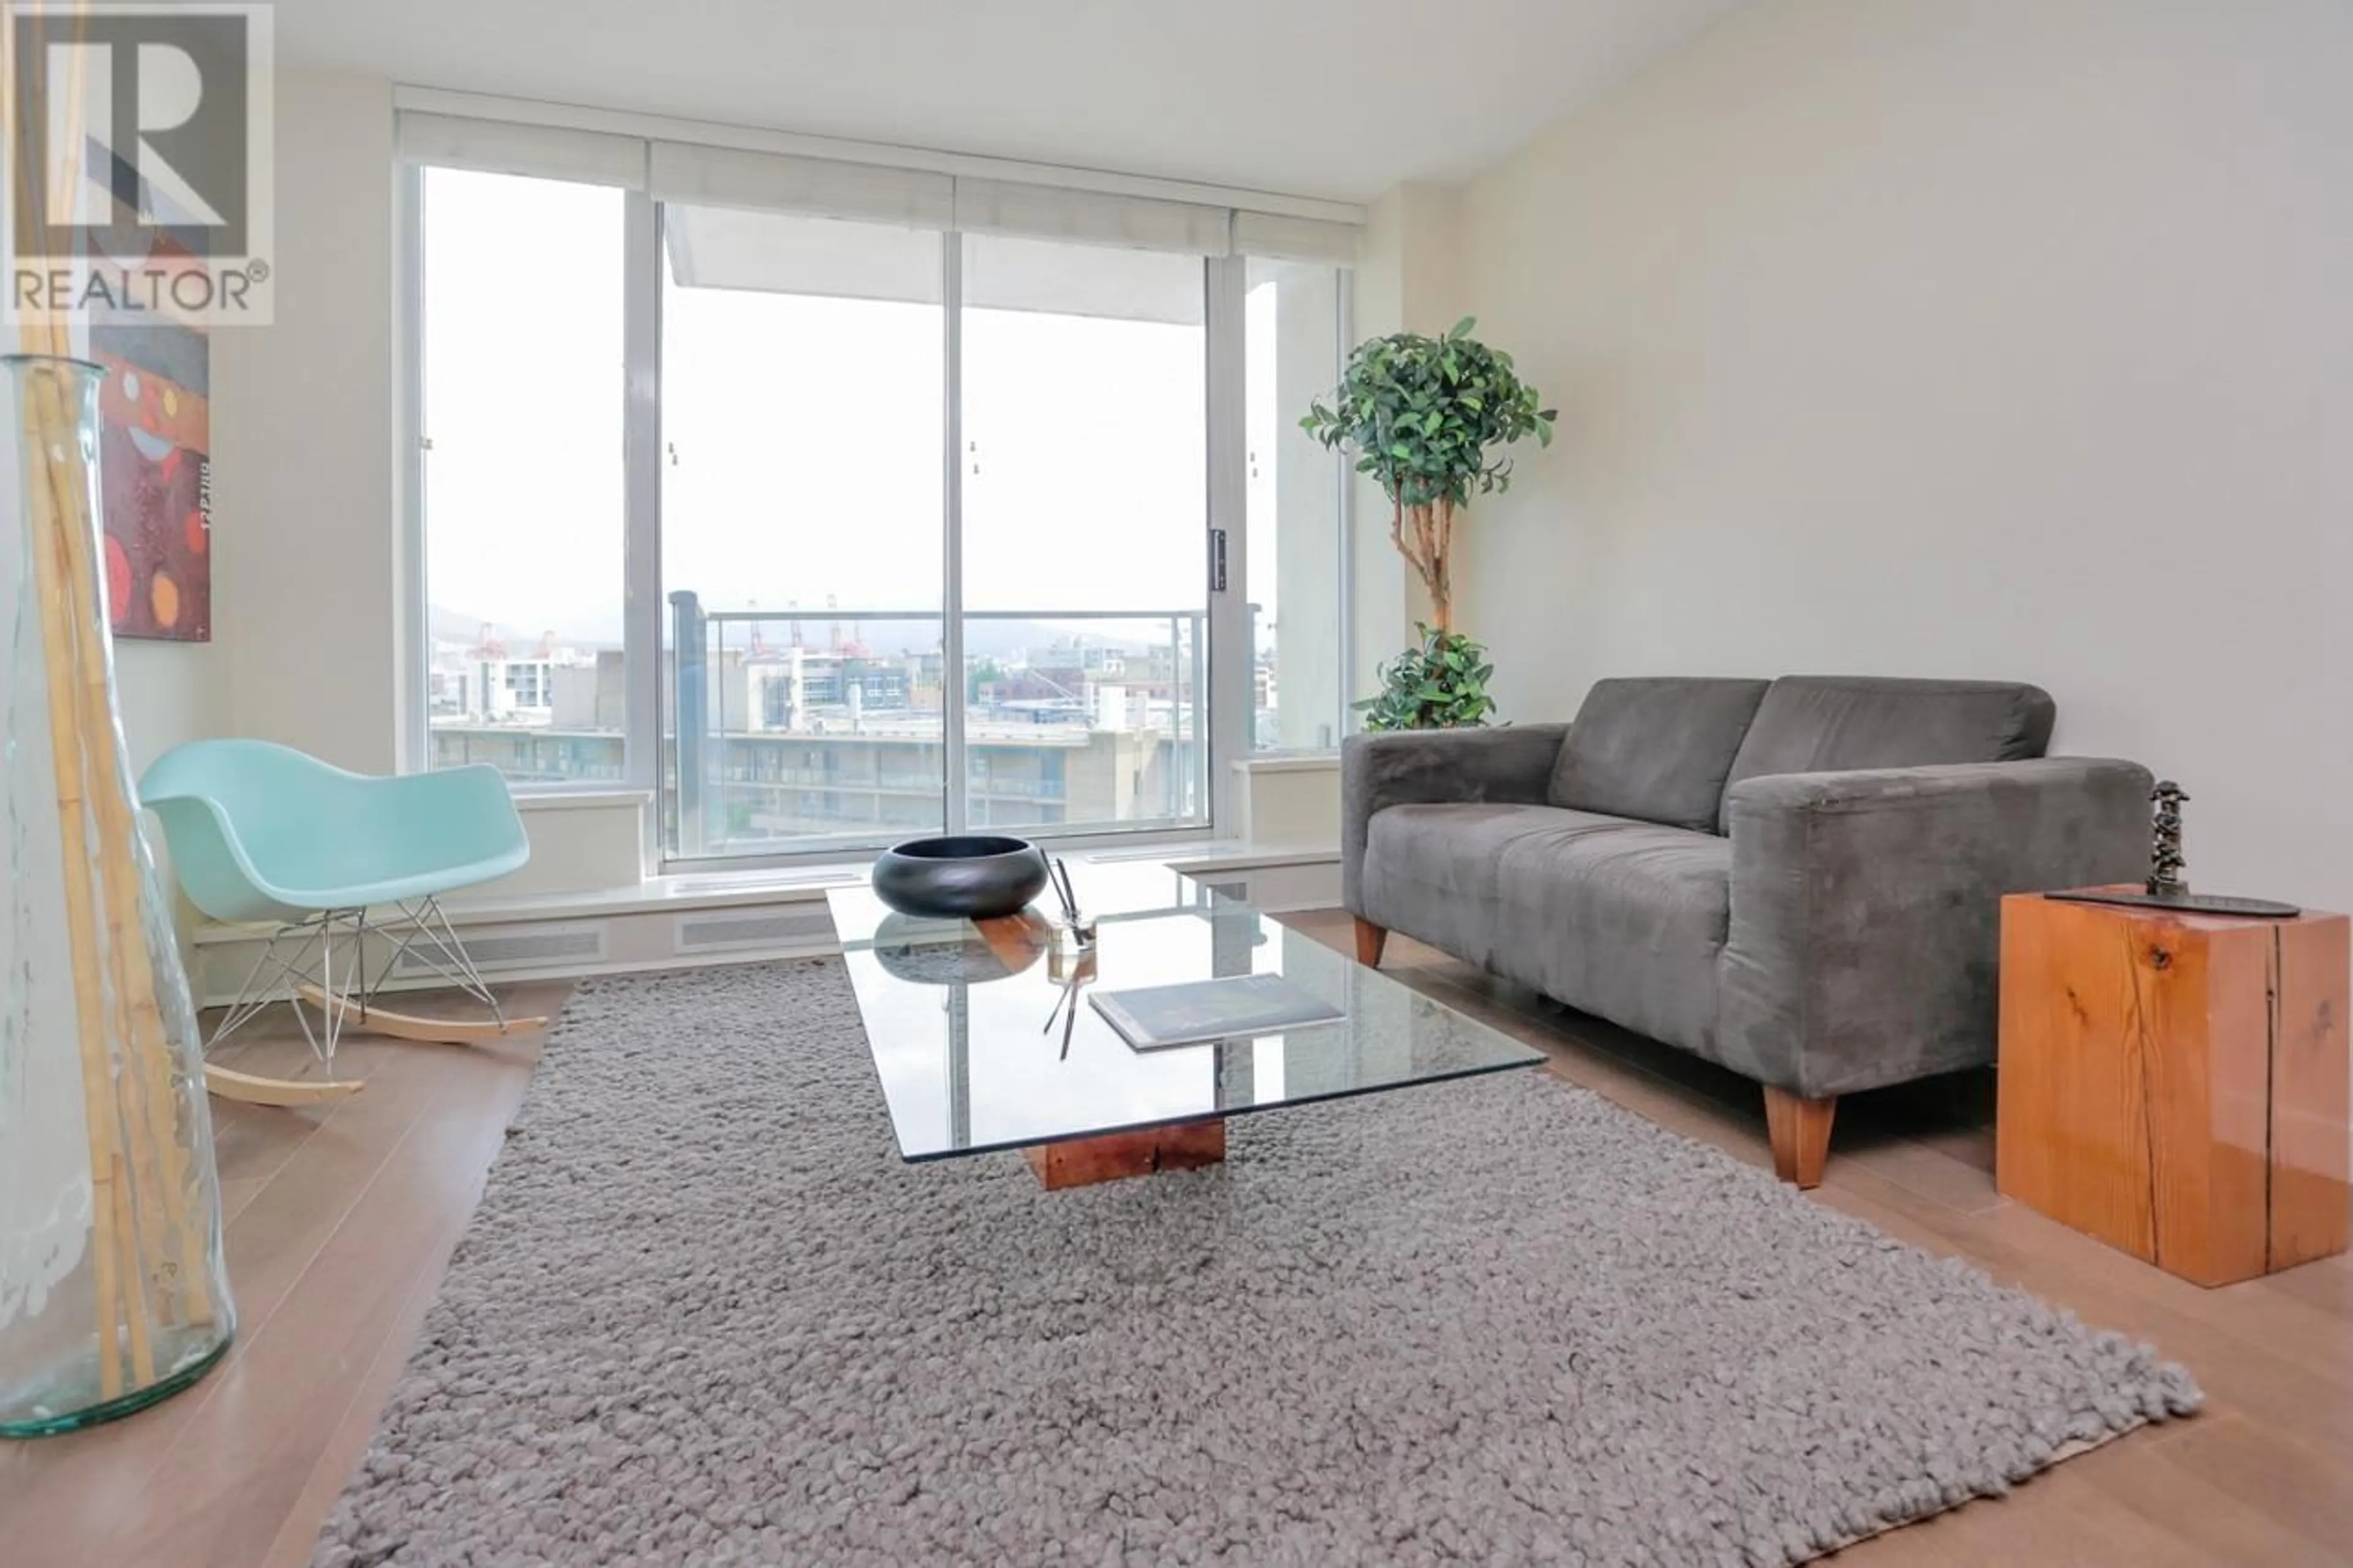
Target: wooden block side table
[2177,1085]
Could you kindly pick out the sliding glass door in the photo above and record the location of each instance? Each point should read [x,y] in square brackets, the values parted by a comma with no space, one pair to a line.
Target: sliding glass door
[857,650]
[803,390]
[1085,527]
[1295,332]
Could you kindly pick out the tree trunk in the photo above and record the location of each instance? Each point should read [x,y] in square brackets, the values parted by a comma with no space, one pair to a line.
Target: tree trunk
[1426,551]
[1442,595]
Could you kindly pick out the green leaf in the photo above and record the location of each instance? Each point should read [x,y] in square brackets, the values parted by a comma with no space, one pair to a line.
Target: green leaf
[1427,418]
[1441,683]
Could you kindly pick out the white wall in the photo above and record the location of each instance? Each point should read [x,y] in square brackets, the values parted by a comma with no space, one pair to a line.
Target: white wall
[304,592]
[303,611]
[1409,279]
[2011,339]
[304,608]
[167,693]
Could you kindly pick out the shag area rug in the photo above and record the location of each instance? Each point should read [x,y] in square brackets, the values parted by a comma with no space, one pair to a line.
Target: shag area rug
[705,1314]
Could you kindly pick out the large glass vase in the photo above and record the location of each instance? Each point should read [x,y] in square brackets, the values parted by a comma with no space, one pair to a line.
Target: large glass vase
[112,1292]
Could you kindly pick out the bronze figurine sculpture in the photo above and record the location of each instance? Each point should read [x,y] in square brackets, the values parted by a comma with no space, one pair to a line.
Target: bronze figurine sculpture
[2165,863]
[2164,888]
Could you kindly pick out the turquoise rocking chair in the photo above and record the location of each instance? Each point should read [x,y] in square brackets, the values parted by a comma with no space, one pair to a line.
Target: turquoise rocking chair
[263,834]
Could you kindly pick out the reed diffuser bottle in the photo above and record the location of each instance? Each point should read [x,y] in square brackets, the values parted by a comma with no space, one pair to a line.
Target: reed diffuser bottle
[112,1291]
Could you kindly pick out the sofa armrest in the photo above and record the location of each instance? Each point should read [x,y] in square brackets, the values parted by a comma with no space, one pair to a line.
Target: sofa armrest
[1866,907]
[1429,767]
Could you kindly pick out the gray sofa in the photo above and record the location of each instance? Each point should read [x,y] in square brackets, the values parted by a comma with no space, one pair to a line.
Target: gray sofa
[1798,878]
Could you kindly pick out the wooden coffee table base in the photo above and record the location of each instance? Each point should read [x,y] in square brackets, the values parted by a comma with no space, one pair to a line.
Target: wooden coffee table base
[1081,1161]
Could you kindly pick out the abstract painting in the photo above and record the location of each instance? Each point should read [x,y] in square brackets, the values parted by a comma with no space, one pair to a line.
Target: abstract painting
[155,479]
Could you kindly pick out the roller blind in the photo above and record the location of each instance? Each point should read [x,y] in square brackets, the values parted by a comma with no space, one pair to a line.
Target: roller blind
[693,174]
[807,187]
[1281,239]
[1092,217]
[501,147]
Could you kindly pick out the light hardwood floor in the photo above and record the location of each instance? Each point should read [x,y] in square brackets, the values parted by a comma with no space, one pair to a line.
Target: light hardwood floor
[342,1219]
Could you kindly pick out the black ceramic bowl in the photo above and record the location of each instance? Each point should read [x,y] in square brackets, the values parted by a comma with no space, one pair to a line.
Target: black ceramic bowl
[973,877]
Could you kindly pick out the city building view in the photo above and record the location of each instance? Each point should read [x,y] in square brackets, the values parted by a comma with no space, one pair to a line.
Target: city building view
[817,726]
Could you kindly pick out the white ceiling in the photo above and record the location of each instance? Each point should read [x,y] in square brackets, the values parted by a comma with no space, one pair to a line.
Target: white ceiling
[1339,98]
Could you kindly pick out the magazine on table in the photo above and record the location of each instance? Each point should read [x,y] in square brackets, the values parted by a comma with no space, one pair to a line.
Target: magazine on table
[1151,1017]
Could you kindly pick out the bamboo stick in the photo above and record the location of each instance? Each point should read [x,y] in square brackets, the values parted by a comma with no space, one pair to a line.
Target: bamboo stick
[172,1284]
[158,1171]
[173,1253]
[126,1229]
[121,854]
[99,1106]
[133,985]
[140,1042]
[55,513]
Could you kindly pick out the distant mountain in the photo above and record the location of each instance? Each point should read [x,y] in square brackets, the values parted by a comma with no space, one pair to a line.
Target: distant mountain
[443,623]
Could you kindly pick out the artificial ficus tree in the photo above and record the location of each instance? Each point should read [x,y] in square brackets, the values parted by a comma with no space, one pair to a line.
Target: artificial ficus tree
[1427,418]
[1439,683]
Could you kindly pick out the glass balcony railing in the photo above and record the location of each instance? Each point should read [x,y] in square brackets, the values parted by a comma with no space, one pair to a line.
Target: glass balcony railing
[807,730]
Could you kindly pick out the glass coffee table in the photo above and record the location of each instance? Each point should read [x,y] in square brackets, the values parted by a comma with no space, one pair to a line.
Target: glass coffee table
[983,1038]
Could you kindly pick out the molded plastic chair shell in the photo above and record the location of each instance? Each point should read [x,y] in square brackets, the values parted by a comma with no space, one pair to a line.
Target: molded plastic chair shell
[262,831]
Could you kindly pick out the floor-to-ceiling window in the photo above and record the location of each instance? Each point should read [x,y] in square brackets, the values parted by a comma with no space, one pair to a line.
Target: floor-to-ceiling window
[1085,510]
[803,389]
[1295,333]
[948,504]
[519,363]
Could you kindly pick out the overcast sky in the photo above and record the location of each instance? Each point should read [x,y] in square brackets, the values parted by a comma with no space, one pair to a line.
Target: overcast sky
[804,436]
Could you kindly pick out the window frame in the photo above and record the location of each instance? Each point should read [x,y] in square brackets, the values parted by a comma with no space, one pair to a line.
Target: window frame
[413,740]
[1230,658]
[1342,476]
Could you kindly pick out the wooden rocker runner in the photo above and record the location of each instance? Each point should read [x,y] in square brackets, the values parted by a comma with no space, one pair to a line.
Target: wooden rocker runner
[263,834]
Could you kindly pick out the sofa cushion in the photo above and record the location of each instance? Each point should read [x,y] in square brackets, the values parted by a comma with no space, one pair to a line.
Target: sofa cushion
[1419,859]
[1621,918]
[1819,723]
[1434,872]
[1658,750]
[1628,925]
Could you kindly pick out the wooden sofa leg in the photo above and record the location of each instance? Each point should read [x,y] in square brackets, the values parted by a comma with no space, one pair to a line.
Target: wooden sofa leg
[1370,940]
[1801,1131]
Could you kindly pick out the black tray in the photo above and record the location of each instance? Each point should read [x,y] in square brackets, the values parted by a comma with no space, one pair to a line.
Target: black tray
[2185,903]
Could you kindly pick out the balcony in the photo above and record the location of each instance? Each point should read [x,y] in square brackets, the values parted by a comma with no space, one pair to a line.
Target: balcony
[819,729]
